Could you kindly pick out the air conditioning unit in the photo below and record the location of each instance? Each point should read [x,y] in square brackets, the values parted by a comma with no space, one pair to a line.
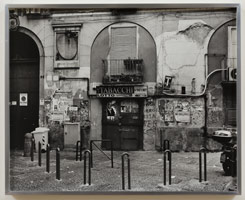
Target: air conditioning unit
[232,73]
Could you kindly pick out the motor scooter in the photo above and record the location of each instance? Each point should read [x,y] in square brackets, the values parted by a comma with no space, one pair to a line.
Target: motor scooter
[227,137]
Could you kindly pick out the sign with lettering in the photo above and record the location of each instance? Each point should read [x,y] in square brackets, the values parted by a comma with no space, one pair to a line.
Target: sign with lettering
[167,82]
[23,99]
[121,91]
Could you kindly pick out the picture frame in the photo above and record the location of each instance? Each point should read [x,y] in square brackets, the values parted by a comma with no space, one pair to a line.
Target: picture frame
[183,118]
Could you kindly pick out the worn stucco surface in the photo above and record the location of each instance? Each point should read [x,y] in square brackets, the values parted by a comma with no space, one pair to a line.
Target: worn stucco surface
[175,36]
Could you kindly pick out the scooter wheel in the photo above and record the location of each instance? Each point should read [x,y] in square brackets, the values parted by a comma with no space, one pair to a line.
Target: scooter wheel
[227,169]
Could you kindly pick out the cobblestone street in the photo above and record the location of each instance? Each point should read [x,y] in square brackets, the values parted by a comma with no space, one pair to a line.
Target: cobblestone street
[146,173]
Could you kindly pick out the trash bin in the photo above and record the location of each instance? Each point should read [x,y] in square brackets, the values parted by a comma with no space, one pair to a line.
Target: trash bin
[27,144]
[41,135]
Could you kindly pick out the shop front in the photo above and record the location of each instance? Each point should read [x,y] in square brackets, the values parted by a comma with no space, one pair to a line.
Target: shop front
[122,115]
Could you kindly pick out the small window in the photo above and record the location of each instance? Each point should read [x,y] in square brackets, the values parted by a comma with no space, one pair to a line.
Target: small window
[66,48]
[232,47]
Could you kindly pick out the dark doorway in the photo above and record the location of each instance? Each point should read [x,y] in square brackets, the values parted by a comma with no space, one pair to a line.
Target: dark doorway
[229,92]
[24,88]
[123,123]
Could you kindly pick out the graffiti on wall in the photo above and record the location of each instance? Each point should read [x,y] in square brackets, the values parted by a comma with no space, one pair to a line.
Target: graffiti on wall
[149,115]
[182,111]
[62,106]
[174,112]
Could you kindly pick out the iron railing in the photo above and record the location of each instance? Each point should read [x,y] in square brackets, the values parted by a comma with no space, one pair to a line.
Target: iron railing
[119,70]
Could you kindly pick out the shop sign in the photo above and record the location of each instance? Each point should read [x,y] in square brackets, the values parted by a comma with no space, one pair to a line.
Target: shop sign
[121,91]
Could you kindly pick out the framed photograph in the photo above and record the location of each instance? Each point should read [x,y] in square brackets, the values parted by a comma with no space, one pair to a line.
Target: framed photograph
[123,99]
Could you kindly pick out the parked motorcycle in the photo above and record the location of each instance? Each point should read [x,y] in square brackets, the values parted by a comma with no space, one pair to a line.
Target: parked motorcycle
[227,137]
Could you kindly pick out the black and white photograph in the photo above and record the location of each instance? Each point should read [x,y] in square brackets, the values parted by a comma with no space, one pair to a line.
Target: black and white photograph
[123,99]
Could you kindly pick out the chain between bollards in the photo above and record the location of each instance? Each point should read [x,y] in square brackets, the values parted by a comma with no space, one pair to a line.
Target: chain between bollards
[58,163]
[87,152]
[123,171]
[169,153]
[48,158]
[204,151]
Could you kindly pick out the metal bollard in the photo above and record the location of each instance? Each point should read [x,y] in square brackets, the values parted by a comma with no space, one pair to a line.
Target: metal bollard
[85,166]
[48,158]
[91,152]
[165,166]
[123,171]
[166,145]
[39,154]
[111,154]
[202,150]
[77,149]
[32,149]
[58,163]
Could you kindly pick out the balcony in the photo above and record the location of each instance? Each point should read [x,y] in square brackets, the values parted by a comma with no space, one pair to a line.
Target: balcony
[123,71]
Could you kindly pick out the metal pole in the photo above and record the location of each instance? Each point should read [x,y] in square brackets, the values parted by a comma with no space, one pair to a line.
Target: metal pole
[91,151]
[80,152]
[202,150]
[48,158]
[111,154]
[170,166]
[129,176]
[39,155]
[123,181]
[85,167]
[200,166]
[161,142]
[123,171]
[205,166]
[77,146]
[166,143]
[168,152]
[164,168]
[32,149]
[89,168]
[58,163]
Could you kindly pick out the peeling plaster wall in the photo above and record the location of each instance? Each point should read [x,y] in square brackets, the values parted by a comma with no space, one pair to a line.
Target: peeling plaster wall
[150,123]
[181,55]
[180,120]
[176,34]
[180,112]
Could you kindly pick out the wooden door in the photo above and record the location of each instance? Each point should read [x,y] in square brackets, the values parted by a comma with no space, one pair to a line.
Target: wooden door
[24,88]
[123,124]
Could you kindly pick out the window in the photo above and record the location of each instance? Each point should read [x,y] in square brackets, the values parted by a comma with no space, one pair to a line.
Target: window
[66,48]
[232,47]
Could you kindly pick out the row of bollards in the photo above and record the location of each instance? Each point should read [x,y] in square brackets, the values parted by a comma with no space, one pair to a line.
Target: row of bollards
[167,156]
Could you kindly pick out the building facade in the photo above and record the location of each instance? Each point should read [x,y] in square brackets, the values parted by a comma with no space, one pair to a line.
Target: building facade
[133,76]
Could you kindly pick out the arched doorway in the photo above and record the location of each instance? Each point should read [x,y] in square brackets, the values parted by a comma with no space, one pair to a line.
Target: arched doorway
[123,63]
[224,56]
[24,87]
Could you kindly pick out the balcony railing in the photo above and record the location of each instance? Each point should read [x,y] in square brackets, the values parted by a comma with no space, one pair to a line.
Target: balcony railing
[123,71]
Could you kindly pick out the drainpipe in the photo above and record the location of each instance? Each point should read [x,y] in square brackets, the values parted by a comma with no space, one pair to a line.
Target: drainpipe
[205,128]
